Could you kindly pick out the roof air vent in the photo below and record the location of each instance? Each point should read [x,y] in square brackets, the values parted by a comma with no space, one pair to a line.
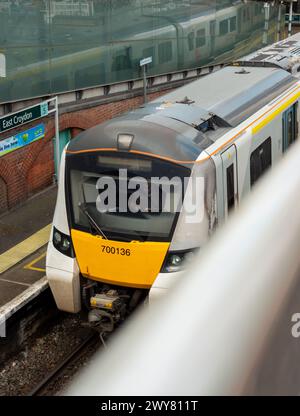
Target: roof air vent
[242,72]
[186,100]
[295,51]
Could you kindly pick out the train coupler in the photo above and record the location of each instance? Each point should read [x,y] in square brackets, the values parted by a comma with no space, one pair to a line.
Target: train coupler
[108,309]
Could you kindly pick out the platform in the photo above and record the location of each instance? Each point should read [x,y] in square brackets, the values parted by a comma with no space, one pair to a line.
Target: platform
[24,234]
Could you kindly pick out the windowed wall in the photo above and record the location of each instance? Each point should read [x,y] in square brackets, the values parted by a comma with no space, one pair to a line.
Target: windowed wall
[63,45]
[260,160]
[261,156]
[230,187]
[289,127]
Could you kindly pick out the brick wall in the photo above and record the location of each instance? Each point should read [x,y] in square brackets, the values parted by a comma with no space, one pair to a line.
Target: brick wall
[3,194]
[31,168]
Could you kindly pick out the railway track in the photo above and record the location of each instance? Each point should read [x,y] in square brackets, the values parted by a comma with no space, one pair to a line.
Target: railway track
[91,340]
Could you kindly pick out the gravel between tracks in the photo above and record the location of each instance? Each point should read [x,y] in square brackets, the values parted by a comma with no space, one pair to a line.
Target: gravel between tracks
[40,355]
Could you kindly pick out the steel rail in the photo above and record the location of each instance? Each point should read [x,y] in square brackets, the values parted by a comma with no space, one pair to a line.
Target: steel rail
[91,339]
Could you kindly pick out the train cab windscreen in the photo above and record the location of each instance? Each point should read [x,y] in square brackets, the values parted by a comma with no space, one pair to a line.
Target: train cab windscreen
[124,196]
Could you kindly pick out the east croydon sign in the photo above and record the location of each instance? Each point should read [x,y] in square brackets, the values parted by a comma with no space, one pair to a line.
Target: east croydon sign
[22,117]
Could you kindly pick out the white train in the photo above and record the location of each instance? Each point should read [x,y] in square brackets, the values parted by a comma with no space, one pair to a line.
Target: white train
[216,136]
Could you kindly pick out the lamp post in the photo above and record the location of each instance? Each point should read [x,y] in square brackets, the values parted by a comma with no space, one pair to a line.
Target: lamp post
[143,63]
[279,21]
[290,18]
[266,26]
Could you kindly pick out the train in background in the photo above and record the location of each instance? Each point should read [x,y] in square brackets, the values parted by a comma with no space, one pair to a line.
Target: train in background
[175,44]
[218,135]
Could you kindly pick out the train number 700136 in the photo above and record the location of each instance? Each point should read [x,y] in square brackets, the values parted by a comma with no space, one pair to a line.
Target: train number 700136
[116,250]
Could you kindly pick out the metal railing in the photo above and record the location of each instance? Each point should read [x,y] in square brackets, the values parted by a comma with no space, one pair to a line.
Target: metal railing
[230,326]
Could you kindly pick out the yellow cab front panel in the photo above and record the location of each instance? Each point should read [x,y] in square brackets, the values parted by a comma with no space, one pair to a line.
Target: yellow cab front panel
[132,264]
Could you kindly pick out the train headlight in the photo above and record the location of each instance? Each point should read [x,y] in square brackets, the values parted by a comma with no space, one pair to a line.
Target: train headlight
[56,238]
[62,243]
[66,244]
[176,261]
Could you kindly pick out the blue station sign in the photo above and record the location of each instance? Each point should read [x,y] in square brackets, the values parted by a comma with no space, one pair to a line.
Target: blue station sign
[21,139]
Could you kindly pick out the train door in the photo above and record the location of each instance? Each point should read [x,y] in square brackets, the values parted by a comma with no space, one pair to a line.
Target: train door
[230,185]
[239,21]
[212,31]
[289,127]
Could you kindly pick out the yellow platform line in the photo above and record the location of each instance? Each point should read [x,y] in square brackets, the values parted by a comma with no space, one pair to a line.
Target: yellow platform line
[22,250]
[30,266]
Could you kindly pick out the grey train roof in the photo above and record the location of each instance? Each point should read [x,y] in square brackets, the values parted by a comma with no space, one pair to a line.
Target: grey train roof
[171,126]
[234,93]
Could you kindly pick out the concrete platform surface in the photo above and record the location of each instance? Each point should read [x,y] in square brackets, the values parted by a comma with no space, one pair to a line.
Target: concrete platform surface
[25,220]
[20,251]
[24,233]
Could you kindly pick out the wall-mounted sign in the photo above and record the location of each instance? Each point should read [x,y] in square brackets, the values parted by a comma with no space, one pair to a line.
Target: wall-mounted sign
[22,117]
[146,61]
[21,139]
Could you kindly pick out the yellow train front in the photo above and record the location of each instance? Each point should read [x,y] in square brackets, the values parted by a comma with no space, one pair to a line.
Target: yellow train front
[120,220]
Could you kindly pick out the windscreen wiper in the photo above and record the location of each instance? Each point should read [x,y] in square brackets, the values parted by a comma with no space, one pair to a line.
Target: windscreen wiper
[92,222]
[121,238]
[140,235]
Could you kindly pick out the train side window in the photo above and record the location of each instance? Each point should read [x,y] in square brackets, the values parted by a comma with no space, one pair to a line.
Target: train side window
[260,160]
[122,61]
[223,27]
[289,127]
[191,41]
[165,52]
[92,75]
[200,38]
[230,187]
[232,24]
